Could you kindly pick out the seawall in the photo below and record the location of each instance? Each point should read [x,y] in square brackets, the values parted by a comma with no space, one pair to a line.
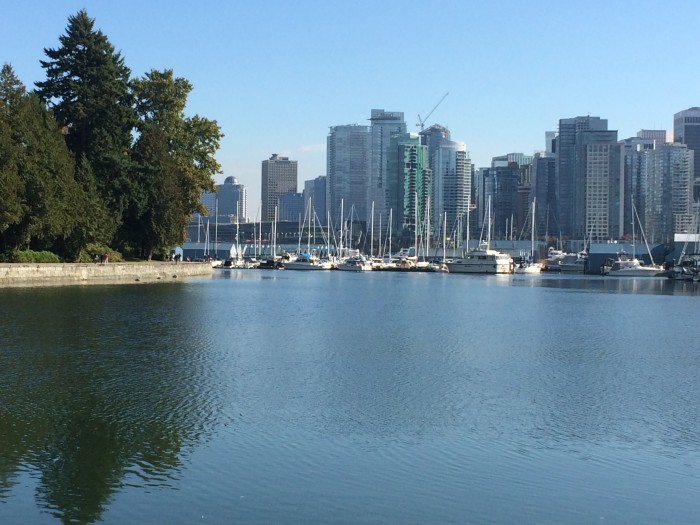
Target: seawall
[81,273]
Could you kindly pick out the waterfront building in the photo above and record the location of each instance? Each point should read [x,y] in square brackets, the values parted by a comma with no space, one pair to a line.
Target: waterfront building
[315,192]
[383,125]
[233,201]
[634,180]
[686,130]
[501,185]
[408,182]
[290,207]
[452,176]
[600,160]
[543,190]
[348,171]
[570,173]
[279,176]
[668,181]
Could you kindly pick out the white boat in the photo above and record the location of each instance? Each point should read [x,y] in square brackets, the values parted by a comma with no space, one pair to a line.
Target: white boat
[574,263]
[528,267]
[356,263]
[307,261]
[625,266]
[482,259]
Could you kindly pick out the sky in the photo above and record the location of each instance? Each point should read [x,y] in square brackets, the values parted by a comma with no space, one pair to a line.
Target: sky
[276,75]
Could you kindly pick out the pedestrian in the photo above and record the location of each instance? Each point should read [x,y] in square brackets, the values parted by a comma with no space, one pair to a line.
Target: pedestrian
[96,258]
[106,258]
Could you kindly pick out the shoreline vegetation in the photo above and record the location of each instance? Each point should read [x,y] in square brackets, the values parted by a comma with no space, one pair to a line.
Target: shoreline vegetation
[96,160]
[61,274]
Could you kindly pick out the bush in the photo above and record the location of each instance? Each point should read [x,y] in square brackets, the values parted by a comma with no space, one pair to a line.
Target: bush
[87,254]
[29,256]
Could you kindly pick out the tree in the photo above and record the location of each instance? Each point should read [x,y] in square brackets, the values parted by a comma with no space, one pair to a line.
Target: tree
[40,170]
[87,87]
[163,222]
[174,152]
[10,205]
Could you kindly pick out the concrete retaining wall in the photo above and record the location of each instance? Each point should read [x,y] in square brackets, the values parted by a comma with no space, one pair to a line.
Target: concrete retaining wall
[69,273]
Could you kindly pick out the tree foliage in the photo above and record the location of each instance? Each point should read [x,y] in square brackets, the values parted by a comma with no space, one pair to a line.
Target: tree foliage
[175,154]
[41,169]
[87,87]
[93,157]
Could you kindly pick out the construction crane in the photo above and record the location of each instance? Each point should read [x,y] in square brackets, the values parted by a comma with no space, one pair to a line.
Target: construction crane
[421,122]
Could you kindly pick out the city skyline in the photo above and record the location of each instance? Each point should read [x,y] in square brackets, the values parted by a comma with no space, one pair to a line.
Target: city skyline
[277,76]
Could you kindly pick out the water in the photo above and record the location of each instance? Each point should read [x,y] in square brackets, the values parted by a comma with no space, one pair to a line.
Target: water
[332,397]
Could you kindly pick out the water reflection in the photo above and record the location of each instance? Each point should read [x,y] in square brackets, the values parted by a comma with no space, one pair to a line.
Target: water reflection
[96,387]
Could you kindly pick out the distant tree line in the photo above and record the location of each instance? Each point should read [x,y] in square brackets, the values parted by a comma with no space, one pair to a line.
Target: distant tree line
[94,159]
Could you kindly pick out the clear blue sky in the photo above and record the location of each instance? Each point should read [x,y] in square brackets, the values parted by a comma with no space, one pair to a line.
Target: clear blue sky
[277,74]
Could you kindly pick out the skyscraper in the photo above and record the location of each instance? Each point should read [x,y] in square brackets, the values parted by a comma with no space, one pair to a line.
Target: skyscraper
[348,171]
[668,184]
[571,173]
[279,175]
[686,130]
[315,192]
[600,163]
[383,125]
[407,181]
[543,190]
[634,178]
[233,200]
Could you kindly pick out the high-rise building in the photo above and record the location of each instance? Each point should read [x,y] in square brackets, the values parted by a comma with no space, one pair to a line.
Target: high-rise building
[315,193]
[452,177]
[279,175]
[500,185]
[634,179]
[668,183]
[348,171]
[408,182]
[233,200]
[543,191]
[571,173]
[383,125]
[686,130]
[290,207]
[600,163]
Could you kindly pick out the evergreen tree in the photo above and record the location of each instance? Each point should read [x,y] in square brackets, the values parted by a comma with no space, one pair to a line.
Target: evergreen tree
[41,166]
[163,223]
[87,86]
[11,210]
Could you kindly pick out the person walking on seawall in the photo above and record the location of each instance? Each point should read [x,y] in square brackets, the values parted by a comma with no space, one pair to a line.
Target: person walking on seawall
[105,258]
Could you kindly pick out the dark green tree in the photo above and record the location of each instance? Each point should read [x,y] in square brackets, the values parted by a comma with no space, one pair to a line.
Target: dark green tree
[175,154]
[11,210]
[87,87]
[163,222]
[41,170]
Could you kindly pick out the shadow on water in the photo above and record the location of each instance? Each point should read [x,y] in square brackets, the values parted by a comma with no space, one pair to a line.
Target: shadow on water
[94,398]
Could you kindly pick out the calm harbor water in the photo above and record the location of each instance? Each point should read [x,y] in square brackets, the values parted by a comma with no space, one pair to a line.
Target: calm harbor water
[332,397]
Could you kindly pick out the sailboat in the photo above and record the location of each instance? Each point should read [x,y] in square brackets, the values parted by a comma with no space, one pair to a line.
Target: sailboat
[273,262]
[482,259]
[307,260]
[625,266]
[530,267]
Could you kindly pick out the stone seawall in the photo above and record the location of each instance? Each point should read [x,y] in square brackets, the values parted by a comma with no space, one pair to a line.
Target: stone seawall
[80,273]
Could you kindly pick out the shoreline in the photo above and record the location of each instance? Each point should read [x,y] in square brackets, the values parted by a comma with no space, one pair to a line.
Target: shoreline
[62,274]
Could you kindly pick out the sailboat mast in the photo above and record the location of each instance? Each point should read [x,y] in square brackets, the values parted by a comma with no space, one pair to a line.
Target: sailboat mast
[371,240]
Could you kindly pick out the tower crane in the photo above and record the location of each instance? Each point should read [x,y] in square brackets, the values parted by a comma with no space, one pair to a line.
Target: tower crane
[421,122]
